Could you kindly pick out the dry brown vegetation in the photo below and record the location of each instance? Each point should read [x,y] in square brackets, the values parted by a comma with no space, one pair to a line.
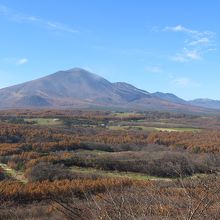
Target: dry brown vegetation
[44,155]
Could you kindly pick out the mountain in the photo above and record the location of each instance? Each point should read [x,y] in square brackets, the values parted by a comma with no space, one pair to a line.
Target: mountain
[71,88]
[59,89]
[129,92]
[206,103]
[169,97]
[78,88]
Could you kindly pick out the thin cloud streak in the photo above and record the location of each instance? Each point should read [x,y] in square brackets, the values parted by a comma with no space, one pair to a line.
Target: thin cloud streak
[19,17]
[14,61]
[153,69]
[22,61]
[184,82]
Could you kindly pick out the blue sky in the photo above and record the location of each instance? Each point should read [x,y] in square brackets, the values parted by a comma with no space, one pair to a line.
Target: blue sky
[156,45]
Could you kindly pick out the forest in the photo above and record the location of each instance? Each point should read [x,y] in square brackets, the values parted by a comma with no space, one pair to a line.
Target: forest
[72,164]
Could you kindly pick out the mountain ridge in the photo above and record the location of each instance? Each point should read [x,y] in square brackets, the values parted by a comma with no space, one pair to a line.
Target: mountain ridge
[207,103]
[78,88]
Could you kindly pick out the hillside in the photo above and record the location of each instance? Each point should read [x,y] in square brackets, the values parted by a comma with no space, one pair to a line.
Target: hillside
[78,88]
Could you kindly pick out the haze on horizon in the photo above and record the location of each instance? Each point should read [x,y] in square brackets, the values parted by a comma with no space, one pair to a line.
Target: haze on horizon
[155,45]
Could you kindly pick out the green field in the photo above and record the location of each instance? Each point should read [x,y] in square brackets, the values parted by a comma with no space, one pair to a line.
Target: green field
[117,174]
[126,114]
[180,129]
[45,121]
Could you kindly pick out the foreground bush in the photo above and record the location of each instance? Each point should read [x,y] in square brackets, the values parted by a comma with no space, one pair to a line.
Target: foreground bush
[36,191]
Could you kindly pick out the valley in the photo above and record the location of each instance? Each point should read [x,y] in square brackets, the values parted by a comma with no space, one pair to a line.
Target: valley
[109,110]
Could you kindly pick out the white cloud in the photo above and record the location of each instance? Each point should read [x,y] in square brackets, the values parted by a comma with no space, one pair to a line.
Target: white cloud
[186,56]
[153,69]
[22,61]
[19,17]
[185,82]
[196,43]
[180,28]
[60,27]
[193,55]
[15,61]
[194,33]
[179,58]
[181,81]
[203,40]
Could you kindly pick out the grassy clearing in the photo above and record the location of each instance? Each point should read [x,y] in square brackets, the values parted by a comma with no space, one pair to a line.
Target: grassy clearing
[90,152]
[163,124]
[179,129]
[126,114]
[131,175]
[45,121]
[118,127]
[116,174]
[13,173]
[143,128]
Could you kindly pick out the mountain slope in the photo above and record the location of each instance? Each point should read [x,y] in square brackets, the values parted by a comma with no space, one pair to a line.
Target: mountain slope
[129,92]
[169,97]
[206,103]
[78,88]
[72,88]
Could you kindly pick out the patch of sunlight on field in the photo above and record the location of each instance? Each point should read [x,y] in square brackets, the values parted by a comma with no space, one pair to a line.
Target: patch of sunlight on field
[132,175]
[45,121]
[143,128]
[126,114]
[13,173]
[118,127]
[179,129]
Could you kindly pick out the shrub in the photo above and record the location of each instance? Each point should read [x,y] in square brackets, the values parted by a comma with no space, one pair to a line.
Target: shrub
[47,171]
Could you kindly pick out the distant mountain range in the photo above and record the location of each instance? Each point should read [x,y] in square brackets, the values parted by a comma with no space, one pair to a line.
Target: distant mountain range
[78,88]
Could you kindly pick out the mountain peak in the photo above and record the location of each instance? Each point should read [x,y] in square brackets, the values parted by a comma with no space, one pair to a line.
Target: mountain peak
[76,72]
[169,97]
[79,88]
